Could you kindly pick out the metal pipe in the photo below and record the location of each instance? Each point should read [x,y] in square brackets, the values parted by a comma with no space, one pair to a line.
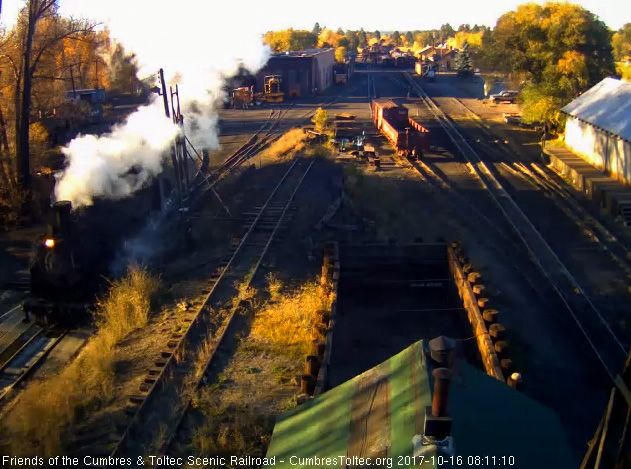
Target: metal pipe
[164,93]
[442,379]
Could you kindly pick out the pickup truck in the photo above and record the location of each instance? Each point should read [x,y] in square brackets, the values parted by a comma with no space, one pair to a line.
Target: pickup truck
[504,97]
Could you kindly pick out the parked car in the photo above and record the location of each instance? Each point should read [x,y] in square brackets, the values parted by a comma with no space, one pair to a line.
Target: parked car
[504,97]
[517,119]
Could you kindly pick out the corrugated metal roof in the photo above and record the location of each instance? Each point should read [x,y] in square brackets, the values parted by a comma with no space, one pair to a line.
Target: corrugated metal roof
[303,53]
[377,413]
[607,105]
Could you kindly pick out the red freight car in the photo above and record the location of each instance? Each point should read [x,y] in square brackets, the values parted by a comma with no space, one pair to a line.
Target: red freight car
[405,134]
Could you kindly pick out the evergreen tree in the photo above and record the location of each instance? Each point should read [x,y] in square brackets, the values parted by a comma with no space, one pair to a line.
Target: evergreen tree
[409,38]
[361,37]
[396,38]
[353,42]
[463,61]
[316,29]
[377,35]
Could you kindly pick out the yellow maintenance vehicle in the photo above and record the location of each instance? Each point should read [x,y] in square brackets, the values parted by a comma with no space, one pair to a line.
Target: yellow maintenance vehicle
[242,97]
[273,89]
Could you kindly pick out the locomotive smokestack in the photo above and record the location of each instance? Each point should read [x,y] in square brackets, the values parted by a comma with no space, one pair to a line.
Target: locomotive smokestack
[442,379]
[62,211]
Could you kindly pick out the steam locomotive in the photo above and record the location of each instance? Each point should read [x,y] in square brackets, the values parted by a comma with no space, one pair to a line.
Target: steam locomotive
[60,279]
[70,263]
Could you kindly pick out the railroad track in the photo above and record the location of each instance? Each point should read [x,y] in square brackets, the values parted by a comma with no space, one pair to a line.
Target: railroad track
[249,148]
[372,91]
[493,231]
[169,384]
[22,349]
[176,375]
[606,346]
[271,129]
[542,179]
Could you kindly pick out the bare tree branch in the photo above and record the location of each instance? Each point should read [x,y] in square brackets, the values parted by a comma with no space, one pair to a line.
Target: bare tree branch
[11,61]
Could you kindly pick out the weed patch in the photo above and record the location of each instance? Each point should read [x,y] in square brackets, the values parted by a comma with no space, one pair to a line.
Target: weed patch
[287,326]
[286,146]
[47,408]
[239,409]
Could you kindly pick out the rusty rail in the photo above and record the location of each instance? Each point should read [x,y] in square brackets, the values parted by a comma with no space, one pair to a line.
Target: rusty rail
[196,329]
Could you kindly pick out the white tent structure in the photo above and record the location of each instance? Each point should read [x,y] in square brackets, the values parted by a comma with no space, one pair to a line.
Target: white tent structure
[598,127]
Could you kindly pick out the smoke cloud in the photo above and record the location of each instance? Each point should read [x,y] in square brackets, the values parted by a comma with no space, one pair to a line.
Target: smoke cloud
[197,47]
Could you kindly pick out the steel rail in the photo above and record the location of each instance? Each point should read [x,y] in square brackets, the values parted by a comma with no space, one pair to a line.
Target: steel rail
[544,181]
[251,147]
[33,328]
[151,393]
[7,313]
[611,363]
[26,371]
[174,431]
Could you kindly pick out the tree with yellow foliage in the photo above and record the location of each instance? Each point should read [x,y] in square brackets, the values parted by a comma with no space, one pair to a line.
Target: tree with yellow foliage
[321,120]
[621,42]
[560,48]
[290,40]
[340,54]
[27,57]
[328,38]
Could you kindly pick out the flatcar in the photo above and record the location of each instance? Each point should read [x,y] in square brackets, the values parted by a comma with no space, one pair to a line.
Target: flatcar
[407,136]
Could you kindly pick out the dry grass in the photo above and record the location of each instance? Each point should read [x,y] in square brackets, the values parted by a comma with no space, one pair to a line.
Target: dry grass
[287,325]
[286,146]
[50,407]
[274,286]
[319,151]
[230,428]
[239,409]
[127,306]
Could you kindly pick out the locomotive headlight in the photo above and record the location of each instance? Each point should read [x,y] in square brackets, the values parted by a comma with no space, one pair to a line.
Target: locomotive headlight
[49,243]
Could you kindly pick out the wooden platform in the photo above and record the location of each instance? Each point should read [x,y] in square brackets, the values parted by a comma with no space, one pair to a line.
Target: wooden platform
[613,196]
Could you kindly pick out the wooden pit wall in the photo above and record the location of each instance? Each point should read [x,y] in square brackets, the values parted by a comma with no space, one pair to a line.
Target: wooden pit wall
[328,286]
[467,281]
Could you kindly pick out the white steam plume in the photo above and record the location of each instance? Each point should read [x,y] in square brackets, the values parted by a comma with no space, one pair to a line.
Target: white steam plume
[189,39]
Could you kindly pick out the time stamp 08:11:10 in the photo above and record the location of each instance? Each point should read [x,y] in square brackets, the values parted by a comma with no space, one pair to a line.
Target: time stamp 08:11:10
[465,461]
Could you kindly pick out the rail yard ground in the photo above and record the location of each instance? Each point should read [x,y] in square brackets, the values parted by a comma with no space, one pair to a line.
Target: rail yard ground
[435,200]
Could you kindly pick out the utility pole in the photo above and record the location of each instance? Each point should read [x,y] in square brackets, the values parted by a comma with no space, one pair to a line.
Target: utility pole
[96,72]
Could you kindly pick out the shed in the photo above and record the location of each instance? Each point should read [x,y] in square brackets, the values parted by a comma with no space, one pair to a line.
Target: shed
[598,127]
[92,96]
[304,72]
[378,413]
